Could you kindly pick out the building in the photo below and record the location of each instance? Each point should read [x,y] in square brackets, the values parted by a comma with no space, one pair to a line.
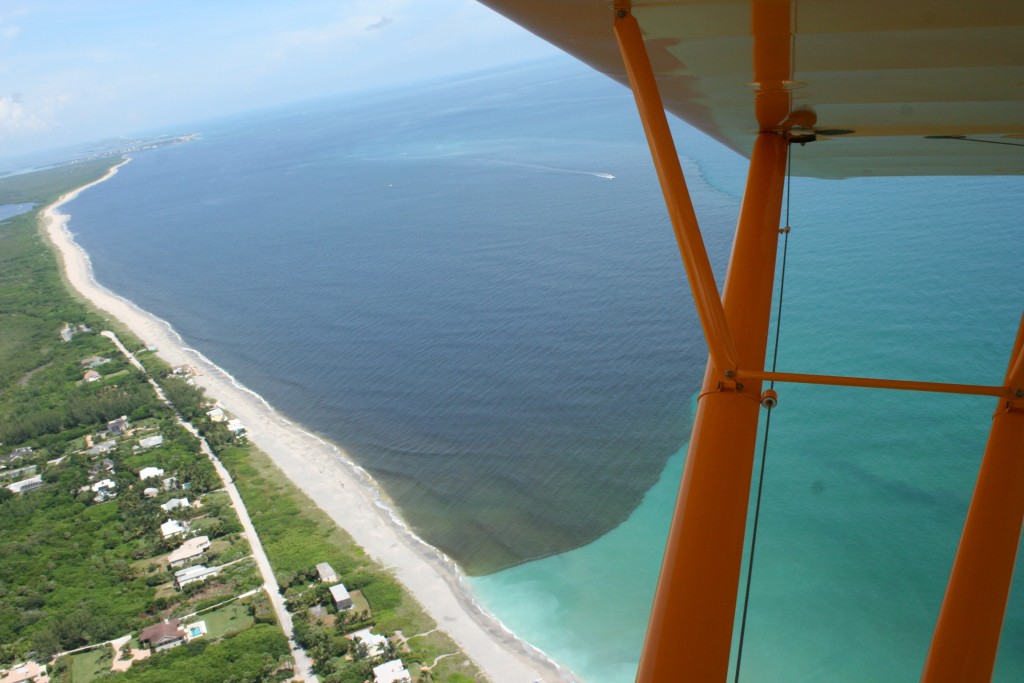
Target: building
[236,426]
[326,573]
[189,550]
[150,492]
[91,376]
[101,448]
[22,452]
[215,415]
[162,636]
[151,441]
[391,672]
[184,577]
[375,643]
[26,484]
[93,361]
[170,483]
[149,472]
[24,673]
[339,594]
[175,503]
[172,527]
[104,489]
[118,426]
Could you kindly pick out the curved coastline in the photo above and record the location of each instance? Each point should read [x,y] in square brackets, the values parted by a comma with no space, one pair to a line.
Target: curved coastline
[339,486]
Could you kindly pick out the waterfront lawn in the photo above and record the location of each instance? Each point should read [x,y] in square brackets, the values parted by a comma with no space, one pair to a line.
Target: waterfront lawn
[89,665]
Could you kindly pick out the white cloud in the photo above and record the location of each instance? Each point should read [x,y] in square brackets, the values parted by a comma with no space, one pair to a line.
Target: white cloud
[20,115]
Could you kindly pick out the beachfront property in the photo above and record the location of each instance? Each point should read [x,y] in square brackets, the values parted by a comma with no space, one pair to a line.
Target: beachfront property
[189,550]
[391,672]
[150,472]
[151,441]
[339,594]
[184,577]
[26,484]
[24,673]
[215,415]
[375,643]
[172,527]
[175,503]
[91,376]
[326,573]
[236,426]
[162,636]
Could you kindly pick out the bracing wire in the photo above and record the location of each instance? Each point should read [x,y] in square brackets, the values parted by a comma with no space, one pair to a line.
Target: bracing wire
[768,421]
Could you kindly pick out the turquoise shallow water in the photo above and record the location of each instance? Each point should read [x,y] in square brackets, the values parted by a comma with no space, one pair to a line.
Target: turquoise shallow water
[462,298]
[865,490]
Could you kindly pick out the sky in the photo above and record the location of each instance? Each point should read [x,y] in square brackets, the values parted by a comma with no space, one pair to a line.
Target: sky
[73,71]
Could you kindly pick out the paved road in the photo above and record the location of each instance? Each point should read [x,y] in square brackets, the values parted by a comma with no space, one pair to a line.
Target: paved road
[303,665]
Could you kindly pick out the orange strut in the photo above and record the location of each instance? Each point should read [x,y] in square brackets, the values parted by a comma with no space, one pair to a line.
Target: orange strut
[966,636]
[673,186]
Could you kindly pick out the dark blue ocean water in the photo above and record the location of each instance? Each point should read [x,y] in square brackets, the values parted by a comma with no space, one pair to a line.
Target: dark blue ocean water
[472,288]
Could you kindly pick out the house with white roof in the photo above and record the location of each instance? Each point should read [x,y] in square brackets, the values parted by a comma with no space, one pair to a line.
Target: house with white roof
[391,672]
[184,577]
[175,503]
[189,550]
[215,415]
[151,441]
[26,484]
[326,573]
[172,527]
[339,594]
[236,426]
[150,472]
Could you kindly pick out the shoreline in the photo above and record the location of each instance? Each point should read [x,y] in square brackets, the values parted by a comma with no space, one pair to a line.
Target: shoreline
[339,486]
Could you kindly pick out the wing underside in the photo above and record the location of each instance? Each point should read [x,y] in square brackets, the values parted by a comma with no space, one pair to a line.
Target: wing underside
[920,87]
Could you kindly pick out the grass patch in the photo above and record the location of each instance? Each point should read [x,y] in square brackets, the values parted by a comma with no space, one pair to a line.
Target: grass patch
[88,665]
[224,620]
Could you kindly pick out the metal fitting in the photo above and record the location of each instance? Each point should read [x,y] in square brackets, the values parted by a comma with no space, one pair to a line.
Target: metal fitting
[769,399]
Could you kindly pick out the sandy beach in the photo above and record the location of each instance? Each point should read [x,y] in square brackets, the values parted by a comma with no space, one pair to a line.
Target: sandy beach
[327,475]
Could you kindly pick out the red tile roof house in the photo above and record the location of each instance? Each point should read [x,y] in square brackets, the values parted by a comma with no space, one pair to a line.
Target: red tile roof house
[162,636]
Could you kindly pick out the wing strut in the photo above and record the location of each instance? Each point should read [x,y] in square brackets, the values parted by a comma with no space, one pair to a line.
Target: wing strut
[966,636]
[690,632]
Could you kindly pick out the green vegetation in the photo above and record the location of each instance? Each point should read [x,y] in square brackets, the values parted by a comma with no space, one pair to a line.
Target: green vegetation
[297,535]
[82,556]
[92,664]
[257,654]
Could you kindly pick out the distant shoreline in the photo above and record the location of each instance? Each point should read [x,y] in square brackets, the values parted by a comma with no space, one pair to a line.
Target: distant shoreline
[345,491]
